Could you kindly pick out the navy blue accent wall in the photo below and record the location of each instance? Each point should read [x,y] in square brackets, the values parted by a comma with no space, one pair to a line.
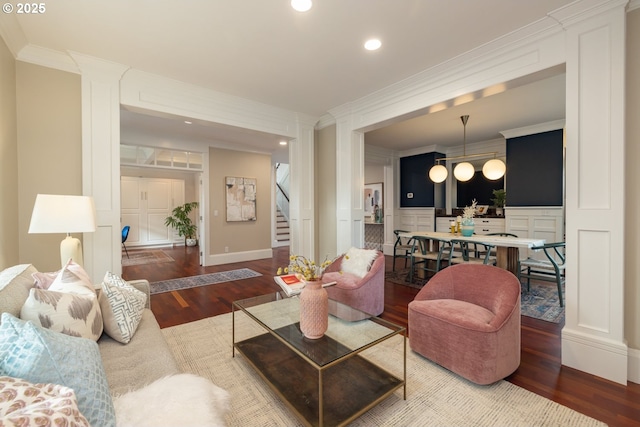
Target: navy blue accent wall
[535,170]
[414,178]
[479,188]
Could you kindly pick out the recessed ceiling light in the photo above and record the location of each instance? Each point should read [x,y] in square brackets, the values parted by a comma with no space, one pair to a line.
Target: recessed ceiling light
[188,122]
[372,44]
[301,5]
[283,142]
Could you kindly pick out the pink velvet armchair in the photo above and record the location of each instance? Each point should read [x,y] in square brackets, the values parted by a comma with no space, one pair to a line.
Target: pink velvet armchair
[365,294]
[467,319]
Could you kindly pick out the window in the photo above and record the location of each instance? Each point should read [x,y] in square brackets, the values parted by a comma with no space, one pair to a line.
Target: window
[133,155]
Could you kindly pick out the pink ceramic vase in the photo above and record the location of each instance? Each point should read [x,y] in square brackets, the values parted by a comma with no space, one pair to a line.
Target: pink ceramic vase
[314,310]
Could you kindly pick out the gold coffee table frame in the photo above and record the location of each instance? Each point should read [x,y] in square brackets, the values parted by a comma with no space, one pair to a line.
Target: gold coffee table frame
[325,381]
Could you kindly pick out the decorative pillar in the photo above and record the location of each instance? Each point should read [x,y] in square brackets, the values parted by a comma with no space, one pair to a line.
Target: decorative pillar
[593,338]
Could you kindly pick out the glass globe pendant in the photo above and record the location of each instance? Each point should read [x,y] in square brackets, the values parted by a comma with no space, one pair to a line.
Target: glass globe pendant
[464,171]
[438,173]
[494,169]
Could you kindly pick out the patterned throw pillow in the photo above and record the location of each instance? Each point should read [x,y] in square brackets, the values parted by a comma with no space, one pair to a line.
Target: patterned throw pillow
[42,356]
[67,313]
[122,306]
[69,305]
[23,403]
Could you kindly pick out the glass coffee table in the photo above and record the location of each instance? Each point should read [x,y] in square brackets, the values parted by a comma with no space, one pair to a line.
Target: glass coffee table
[326,381]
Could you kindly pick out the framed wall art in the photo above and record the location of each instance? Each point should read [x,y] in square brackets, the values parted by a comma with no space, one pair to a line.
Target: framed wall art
[240,198]
[373,197]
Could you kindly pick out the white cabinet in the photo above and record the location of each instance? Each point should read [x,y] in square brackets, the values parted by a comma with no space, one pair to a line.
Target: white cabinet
[482,225]
[145,204]
[416,219]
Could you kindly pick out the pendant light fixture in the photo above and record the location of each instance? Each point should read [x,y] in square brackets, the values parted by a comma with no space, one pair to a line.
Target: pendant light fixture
[464,171]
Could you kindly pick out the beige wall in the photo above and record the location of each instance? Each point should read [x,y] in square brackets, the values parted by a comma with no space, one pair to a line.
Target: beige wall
[325,191]
[239,236]
[49,152]
[632,195]
[8,160]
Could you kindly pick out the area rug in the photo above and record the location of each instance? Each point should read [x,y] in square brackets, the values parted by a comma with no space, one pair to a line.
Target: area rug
[435,396]
[541,301]
[202,280]
[145,257]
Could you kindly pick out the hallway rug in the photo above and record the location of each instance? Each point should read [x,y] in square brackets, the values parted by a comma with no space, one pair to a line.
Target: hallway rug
[202,280]
[435,396]
[144,257]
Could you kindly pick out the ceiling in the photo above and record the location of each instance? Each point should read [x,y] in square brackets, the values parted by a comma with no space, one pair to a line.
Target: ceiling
[307,62]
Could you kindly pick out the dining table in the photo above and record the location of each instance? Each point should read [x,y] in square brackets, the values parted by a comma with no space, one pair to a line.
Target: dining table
[507,247]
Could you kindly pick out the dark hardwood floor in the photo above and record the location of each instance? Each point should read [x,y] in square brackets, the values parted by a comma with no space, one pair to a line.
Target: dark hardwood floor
[540,370]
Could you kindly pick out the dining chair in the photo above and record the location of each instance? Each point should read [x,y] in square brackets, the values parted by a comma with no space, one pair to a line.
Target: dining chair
[461,252]
[550,270]
[479,251]
[426,251]
[402,248]
[125,234]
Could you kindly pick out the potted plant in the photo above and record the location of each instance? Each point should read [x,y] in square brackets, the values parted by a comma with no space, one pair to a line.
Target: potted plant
[499,199]
[181,221]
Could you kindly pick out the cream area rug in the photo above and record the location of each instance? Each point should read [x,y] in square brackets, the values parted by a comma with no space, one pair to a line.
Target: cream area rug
[145,257]
[435,396]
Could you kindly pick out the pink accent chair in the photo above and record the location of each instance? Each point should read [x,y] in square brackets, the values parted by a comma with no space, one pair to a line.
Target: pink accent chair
[365,294]
[467,319]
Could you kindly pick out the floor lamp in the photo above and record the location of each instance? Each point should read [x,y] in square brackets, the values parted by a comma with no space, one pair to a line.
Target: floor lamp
[64,214]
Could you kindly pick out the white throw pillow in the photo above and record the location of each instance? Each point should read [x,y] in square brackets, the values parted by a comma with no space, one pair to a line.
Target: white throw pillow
[73,279]
[122,306]
[178,400]
[358,261]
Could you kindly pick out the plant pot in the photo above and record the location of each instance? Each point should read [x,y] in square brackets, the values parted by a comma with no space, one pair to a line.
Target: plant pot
[499,211]
[191,242]
[314,310]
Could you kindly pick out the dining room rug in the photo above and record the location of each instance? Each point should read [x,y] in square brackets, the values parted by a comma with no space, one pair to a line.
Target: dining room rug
[540,302]
[145,257]
[435,396]
[202,280]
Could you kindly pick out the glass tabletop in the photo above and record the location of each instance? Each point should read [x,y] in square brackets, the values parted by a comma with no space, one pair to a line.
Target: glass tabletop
[281,317]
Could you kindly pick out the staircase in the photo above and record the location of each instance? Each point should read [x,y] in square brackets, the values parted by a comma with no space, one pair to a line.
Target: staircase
[282,227]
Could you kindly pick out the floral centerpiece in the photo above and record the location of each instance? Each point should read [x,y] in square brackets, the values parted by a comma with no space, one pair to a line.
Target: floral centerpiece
[306,269]
[468,225]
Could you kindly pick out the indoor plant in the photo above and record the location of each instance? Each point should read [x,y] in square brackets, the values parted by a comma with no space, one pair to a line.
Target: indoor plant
[499,199]
[468,225]
[181,221]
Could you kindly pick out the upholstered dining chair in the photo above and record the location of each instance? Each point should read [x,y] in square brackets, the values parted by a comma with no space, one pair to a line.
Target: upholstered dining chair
[402,248]
[467,319]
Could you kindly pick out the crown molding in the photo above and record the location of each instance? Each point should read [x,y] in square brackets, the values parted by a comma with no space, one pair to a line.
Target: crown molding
[325,121]
[48,58]
[12,34]
[533,129]
[633,5]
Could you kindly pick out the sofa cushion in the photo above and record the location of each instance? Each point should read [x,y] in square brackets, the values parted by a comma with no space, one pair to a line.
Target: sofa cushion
[122,306]
[43,356]
[72,278]
[68,313]
[23,403]
[178,400]
[15,283]
[358,261]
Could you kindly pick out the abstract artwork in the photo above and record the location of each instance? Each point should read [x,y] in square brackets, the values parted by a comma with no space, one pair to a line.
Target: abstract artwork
[241,198]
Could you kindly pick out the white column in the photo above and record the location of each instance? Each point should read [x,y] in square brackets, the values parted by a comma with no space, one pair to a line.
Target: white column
[349,185]
[593,337]
[302,191]
[101,161]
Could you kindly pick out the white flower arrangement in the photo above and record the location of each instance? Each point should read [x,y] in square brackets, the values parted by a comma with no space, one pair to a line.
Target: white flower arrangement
[470,211]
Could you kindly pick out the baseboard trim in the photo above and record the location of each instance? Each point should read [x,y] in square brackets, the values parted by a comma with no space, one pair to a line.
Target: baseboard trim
[634,366]
[595,355]
[228,258]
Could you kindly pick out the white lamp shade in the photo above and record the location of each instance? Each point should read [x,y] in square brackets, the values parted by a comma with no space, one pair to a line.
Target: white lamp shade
[494,169]
[438,173]
[464,171]
[63,214]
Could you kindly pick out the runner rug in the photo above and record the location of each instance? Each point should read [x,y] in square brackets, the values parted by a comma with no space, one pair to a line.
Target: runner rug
[145,257]
[540,302]
[435,396]
[202,280]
